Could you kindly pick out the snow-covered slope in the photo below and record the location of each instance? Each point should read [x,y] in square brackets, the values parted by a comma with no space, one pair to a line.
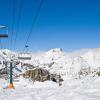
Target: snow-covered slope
[72,89]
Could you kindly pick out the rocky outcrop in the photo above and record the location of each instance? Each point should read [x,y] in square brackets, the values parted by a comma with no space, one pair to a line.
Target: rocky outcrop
[39,74]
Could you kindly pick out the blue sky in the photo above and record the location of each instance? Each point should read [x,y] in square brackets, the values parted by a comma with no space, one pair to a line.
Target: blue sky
[66,24]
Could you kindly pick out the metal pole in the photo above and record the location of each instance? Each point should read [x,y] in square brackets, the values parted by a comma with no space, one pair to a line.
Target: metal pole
[11,80]
[11,73]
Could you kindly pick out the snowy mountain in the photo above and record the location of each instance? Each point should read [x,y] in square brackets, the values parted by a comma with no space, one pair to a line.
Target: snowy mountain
[68,64]
[57,61]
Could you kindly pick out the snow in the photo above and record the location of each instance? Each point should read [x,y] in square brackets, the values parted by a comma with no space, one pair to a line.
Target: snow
[68,65]
[72,89]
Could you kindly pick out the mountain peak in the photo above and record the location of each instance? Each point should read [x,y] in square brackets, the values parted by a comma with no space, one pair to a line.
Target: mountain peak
[55,50]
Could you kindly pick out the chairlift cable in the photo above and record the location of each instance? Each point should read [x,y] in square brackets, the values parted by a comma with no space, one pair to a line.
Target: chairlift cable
[18,23]
[33,23]
[13,22]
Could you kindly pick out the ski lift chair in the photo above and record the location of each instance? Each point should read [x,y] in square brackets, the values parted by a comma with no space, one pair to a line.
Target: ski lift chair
[5,35]
[24,56]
